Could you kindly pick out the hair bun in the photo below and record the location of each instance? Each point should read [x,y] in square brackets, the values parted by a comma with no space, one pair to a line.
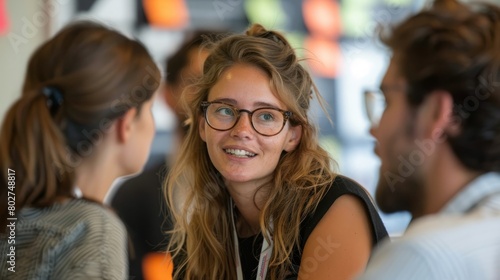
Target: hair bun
[257,30]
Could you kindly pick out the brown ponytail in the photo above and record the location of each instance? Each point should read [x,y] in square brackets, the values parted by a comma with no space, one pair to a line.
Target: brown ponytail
[33,146]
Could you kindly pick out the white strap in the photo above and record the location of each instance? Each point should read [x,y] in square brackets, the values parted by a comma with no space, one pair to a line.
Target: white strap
[265,253]
[77,192]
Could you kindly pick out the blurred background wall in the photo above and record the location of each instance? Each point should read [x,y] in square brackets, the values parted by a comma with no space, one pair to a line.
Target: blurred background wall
[18,39]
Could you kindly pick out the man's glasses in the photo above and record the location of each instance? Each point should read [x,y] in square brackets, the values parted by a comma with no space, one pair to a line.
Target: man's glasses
[266,121]
[375,105]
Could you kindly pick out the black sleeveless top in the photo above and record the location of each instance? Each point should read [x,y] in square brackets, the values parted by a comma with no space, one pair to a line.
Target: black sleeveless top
[250,247]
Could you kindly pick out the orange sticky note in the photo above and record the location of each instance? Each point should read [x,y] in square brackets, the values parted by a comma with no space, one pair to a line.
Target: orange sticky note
[157,266]
[166,14]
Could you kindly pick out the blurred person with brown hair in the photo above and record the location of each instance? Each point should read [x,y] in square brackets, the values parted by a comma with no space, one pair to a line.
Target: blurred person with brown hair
[439,143]
[139,201]
[83,119]
[183,68]
[252,194]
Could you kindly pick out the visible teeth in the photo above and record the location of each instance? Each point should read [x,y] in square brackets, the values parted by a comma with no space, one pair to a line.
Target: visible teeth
[239,153]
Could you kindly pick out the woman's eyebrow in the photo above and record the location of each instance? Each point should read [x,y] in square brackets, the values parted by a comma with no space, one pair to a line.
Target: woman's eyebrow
[265,104]
[256,104]
[225,100]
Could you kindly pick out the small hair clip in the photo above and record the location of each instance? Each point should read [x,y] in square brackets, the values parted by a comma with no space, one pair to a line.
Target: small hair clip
[54,98]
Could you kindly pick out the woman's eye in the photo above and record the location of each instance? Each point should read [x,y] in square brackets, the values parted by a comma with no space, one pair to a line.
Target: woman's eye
[266,116]
[225,111]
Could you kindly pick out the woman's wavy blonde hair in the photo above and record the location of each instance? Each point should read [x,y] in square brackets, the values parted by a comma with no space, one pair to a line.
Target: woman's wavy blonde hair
[201,241]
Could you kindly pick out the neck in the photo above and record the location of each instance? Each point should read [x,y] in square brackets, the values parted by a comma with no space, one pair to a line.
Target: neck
[446,177]
[248,200]
[95,177]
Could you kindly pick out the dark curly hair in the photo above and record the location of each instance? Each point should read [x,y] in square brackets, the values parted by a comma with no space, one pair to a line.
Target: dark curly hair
[455,47]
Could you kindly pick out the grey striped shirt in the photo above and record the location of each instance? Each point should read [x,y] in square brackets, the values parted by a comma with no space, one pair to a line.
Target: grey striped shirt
[74,240]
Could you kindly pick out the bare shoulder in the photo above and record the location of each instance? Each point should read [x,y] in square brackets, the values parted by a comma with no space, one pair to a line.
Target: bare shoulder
[340,245]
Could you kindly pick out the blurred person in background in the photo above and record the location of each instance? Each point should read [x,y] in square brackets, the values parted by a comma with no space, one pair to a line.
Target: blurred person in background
[439,143]
[139,201]
[83,119]
[183,68]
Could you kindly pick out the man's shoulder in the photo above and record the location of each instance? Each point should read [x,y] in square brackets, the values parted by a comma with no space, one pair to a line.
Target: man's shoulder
[444,245]
[443,226]
[468,241]
[453,233]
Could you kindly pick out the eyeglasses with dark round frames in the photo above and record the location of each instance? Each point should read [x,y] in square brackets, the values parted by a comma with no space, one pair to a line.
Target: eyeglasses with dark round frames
[266,121]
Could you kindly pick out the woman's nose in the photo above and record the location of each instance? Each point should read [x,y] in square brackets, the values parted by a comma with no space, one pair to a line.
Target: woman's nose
[243,126]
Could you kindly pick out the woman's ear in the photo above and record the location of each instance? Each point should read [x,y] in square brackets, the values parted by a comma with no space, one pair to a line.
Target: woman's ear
[124,125]
[294,136]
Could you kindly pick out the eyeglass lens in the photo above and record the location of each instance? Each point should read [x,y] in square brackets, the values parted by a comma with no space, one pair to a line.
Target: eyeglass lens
[375,105]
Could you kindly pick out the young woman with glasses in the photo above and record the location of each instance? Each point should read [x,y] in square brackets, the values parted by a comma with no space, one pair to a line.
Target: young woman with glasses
[253,195]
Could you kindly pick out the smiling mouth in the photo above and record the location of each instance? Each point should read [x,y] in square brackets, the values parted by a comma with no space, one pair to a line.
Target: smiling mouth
[239,153]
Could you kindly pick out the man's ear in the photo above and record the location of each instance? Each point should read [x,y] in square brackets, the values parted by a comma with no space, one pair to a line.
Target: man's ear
[436,115]
[294,136]
[202,128]
[124,125]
